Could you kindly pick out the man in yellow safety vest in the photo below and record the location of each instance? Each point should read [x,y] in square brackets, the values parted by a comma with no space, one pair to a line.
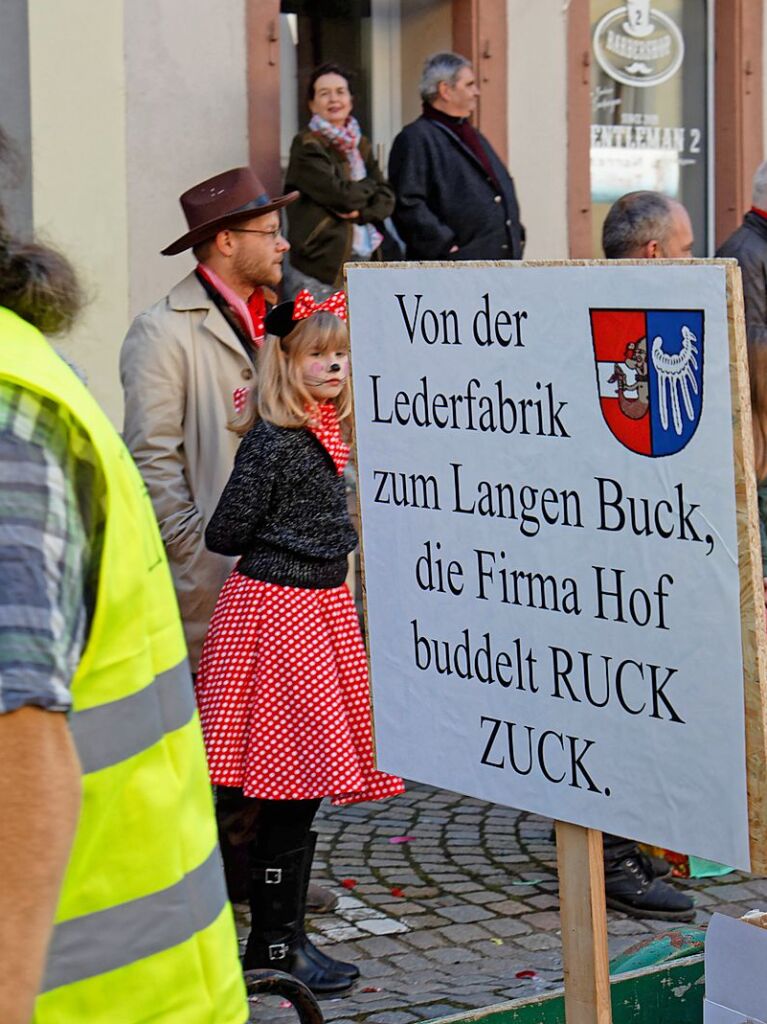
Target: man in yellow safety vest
[112,905]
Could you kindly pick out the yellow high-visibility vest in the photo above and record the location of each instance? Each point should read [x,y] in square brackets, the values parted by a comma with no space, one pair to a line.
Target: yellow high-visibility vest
[143,929]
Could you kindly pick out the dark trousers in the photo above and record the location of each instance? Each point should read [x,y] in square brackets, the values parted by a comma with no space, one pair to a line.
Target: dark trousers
[616,848]
[249,827]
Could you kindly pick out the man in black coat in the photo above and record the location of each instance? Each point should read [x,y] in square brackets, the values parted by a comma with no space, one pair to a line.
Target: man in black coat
[455,198]
[748,245]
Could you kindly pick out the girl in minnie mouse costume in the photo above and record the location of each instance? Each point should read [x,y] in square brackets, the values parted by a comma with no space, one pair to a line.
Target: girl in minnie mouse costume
[282,687]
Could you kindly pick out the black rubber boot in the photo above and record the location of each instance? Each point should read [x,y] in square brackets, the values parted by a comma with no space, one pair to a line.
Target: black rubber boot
[313,952]
[631,886]
[277,940]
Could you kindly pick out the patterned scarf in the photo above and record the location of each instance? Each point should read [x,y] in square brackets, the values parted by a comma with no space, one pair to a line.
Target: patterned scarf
[326,428]
[346,139]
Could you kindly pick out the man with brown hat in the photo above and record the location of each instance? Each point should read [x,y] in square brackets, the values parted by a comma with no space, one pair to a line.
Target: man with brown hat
[180,364]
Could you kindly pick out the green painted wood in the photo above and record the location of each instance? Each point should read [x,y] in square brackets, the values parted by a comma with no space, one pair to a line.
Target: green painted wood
[670,994]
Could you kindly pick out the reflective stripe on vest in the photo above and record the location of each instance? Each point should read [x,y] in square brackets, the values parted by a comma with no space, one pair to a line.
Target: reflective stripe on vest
[108,939]
[112,732]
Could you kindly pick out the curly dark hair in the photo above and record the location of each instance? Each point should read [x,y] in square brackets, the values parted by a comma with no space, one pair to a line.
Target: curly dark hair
[36,281]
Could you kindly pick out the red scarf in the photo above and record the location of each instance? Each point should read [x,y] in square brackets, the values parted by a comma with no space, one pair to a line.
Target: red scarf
[326,428]
[250,314]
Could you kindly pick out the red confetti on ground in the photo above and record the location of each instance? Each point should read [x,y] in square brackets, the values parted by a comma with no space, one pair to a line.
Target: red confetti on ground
[526,974]
[349,883]
[371,988]
[402,839]
[285,1005]
[396,891]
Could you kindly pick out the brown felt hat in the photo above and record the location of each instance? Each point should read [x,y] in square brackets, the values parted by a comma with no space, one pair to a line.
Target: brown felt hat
[222,200]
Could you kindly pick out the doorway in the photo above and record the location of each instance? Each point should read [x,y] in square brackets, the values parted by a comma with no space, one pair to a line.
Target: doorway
[382,43]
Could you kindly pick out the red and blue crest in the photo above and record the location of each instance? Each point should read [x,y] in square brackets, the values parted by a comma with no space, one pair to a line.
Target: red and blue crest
[649,365]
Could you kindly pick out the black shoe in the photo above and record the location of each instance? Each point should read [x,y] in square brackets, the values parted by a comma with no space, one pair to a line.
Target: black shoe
[659,866]
[341,967]
[292,956]
[631,887]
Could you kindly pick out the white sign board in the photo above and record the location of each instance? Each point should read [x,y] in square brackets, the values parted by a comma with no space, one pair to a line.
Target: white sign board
[548,520]
[736,988]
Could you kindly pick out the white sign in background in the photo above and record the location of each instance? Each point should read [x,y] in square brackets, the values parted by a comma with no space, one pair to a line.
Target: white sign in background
[527,656]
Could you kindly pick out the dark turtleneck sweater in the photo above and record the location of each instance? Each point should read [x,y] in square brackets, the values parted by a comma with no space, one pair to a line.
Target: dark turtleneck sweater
[466,132]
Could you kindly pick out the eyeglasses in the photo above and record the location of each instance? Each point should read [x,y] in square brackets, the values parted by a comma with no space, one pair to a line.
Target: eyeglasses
[274,235]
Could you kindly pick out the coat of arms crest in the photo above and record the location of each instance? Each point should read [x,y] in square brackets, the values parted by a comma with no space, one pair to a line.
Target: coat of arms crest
[649,367]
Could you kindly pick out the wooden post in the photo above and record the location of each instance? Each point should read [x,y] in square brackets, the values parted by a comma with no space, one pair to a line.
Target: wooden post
[584,924]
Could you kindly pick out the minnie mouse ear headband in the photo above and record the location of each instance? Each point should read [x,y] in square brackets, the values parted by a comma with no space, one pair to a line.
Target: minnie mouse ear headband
[281,320]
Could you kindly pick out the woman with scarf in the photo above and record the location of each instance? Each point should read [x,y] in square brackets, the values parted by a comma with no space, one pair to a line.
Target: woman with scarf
[344,197]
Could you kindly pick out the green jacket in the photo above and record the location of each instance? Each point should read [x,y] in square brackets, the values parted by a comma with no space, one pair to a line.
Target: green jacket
[320,240]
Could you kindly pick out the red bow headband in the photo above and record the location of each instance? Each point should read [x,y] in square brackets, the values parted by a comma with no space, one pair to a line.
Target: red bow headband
[281,320]
[305,305]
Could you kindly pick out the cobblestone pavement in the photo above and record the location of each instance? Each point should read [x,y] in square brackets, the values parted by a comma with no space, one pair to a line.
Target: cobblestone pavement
[447,920]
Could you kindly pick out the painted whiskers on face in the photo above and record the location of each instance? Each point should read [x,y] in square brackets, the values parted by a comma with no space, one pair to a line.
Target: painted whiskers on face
[325,374]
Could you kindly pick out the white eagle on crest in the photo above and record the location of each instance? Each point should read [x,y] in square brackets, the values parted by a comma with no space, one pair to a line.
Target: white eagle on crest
[677,372]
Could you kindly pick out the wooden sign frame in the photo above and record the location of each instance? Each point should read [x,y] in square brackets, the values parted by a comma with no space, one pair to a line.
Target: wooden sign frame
[580,862]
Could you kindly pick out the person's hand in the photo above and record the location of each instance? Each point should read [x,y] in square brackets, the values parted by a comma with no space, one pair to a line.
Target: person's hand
[354,215]
[452,249]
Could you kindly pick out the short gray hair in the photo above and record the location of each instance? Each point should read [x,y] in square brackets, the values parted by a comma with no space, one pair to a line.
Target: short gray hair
[634,220]
[440,67]
[759,192]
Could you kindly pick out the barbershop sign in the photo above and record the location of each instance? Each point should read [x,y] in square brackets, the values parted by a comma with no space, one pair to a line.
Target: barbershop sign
[547,489]
[649,103]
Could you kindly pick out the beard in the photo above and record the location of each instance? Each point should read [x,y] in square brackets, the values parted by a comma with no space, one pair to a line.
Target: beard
[256,270]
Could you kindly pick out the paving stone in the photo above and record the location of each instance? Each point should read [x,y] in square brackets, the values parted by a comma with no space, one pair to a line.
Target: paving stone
[432,1011]
[730,893]
[538,942]
[543,919]
[627,926]
[381,926]
[393,1017]
[544,901]
[374,968]
[426,939]
[458,934]
[464,914]
[503,926]
[510,908]
[484,896]
[381,946]
[430,921]
[454,955]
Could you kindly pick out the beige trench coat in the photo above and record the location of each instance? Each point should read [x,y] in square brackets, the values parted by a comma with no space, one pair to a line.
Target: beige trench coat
[179,365]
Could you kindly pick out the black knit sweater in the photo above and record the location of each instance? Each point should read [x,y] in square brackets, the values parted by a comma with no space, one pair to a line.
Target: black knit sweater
[284,511]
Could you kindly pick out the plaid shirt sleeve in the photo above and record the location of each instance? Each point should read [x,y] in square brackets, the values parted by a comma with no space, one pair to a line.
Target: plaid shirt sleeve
[51,530]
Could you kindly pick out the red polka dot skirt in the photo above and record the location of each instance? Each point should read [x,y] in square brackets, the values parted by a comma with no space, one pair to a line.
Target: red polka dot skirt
[284,698]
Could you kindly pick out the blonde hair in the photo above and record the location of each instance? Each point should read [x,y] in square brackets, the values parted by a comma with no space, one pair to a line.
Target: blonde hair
[280,396]
[757,371]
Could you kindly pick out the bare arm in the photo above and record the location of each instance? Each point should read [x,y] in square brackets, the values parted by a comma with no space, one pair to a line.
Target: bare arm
[39,806]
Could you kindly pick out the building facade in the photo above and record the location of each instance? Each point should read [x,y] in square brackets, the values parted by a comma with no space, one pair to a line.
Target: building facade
[117,107]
